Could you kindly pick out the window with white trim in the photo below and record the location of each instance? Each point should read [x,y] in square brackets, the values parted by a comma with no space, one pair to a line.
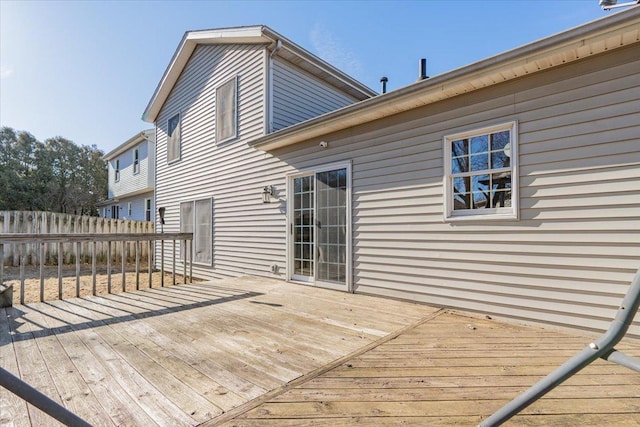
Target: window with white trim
[173,138]
[129,209]
[147,209]
[136,161]
[226,111]
[117,171]
[196,217]
[481,173]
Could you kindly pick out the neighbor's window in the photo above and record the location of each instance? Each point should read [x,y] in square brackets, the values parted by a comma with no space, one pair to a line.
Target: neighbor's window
[117,169]
[147,209]
[136,161]
[481,173]
[129,210]
[196,217]
[226,111]
[173,138]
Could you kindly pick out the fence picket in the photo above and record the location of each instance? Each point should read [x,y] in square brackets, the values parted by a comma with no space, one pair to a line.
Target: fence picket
[38,222]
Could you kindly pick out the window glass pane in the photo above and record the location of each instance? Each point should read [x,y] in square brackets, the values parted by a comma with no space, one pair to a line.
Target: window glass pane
[480,162]
[460,148]
[479,144]
[173,138]
[203,236]
[226,111]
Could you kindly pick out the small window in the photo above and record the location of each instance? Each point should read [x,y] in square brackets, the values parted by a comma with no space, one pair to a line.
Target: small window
[196,217]
[147,209]
[173,138]
[481,173]
[129,210]
[136,161]
[226,111]
[117,169]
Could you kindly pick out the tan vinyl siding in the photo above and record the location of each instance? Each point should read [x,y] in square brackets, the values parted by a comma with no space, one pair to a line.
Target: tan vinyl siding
[570,257]
[298,96]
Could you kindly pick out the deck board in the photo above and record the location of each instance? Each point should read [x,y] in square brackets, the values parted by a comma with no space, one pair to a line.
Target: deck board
[456,369]
[182,355]
[259,352]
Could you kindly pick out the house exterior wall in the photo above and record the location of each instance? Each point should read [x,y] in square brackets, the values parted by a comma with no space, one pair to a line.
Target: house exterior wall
[207,169]
[130,182]
[569,258]
[298,96]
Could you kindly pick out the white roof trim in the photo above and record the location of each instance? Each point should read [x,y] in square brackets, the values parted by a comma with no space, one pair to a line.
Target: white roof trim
[611,32]
[247,35]
[148,134]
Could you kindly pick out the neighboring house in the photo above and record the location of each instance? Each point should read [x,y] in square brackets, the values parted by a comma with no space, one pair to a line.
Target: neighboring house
[131,169]
[510,186]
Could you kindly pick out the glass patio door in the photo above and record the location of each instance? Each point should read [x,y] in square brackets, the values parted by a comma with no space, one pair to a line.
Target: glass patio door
[319,228]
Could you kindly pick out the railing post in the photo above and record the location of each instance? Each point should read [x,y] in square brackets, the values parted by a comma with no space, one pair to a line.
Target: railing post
[149,261]
[173,261]
[22,261]
[78,250]
[137,247]
[59,270]
[162,262]
[41,271]
[1,263]
[109,266]
[93,268]
[184,263]
[124,264]
[191,260]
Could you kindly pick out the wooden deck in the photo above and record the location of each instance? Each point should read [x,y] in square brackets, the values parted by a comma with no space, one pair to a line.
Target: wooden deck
[263,352]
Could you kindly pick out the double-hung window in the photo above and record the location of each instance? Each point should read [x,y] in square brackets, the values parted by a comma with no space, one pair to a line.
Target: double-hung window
[136,161]
[226,111]
[117,171]
[481,175]
[173,138]
[196,217]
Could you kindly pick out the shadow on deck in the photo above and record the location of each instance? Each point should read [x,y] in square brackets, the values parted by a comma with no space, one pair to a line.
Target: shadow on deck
[252,351]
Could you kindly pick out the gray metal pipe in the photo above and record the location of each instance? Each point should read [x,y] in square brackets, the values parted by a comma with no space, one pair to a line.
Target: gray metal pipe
[39,400]
[603,348]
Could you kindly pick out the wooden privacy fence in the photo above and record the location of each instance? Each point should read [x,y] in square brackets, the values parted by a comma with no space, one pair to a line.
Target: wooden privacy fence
[138,240]
[36,222]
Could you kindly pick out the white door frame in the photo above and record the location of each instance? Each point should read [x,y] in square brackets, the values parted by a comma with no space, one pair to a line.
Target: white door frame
[289,229]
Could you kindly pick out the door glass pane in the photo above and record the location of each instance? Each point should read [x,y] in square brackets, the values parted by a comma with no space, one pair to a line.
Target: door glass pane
[303,235]
[331,188]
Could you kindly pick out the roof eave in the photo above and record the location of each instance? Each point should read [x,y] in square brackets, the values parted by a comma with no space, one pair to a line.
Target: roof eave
[244,35]
[136,139]
[592,38]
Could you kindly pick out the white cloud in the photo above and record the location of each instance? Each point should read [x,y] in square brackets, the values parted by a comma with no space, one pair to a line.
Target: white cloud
[5,72]
[334,52]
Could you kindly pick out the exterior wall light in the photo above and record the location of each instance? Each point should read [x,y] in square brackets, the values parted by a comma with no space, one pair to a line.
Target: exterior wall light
[268,192]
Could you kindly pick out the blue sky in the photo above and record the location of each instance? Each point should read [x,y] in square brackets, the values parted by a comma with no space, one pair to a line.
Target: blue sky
[86,70]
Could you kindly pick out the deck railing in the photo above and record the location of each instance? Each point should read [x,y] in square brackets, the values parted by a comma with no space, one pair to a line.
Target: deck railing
[123,241]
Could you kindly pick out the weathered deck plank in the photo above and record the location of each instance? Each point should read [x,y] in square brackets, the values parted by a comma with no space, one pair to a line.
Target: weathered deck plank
[183,355]
[439,373]
[262,352]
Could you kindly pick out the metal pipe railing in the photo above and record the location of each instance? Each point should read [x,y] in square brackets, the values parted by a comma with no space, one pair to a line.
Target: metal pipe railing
[40,400]
[602,348]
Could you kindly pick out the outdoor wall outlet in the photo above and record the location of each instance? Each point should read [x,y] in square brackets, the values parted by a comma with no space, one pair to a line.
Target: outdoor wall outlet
[274,268]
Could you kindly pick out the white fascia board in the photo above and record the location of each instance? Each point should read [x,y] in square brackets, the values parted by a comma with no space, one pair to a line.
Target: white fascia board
[139,137]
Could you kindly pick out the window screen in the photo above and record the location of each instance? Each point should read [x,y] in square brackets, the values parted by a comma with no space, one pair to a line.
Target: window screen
[196,217]
[173,138]
[226,117]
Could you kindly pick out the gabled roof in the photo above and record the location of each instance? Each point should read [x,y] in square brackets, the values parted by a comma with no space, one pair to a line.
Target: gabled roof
[259,34]
[605,34]
[148,134]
